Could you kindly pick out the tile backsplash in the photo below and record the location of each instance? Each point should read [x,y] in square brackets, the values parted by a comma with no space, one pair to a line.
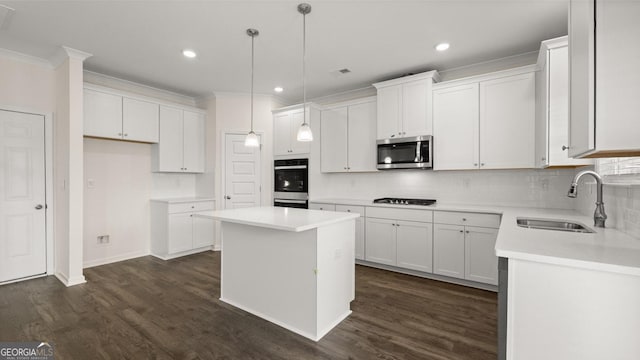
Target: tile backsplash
[621,203]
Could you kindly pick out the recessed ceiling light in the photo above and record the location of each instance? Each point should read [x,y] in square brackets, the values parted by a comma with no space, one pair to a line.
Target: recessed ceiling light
[442,46]
[189,53]
[278,89]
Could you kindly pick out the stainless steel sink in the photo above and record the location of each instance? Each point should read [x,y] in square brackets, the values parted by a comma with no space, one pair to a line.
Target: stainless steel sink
[558,225]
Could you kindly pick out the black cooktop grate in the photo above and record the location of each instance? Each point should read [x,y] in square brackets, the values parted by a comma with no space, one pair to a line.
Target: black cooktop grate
[402,201]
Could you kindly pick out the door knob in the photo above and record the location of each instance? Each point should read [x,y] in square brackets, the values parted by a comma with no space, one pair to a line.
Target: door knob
[38,207]
[564,147]
[228,197]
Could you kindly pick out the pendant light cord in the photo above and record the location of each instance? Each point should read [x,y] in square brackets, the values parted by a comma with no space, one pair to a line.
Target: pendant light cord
[304,61]
[252,38]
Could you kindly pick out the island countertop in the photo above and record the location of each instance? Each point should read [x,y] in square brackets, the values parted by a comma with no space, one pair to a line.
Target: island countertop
[279,218]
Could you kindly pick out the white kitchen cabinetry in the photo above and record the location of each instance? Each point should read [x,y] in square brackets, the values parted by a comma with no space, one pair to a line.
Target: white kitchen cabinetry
[360,230]
[463,246]
[552,102]
[485,122]
[347,137]
[604,78]
[393,240]
[114,116]
[181,147]
[404,106]
[176,232]
[322,206]
[286,122]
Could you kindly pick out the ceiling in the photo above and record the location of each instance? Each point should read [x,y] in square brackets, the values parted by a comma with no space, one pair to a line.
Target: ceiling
[142,40]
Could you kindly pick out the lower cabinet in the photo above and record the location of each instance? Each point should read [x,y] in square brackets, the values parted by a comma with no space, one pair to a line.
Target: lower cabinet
[360,231]
[175,231]
[399,243]
[466,251]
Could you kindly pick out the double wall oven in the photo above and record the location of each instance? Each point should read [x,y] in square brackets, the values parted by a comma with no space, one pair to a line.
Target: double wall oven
[291,183]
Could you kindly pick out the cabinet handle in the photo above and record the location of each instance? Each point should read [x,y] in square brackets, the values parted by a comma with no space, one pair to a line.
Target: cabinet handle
[481,164]
[126,134]
[467,231]
[227,197]
[564,147]
[393,135]
[397,224]
[461,231]
[119,134]
[348,210]
[543,159]
[475,164]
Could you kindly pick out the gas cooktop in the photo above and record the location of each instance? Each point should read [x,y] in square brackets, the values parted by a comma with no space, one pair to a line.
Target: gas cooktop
[401,201]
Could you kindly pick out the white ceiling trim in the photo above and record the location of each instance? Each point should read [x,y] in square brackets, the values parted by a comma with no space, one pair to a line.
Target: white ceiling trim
[24,58]
[65,52]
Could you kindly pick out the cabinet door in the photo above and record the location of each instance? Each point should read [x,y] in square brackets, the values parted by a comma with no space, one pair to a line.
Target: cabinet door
[102,114]
[362,148]
[281,134]
[507,122]
[455,122]
[415,108]
[389,112]
[299,147]
[140,120]
[170,147]
[360,243]
[203,232]
[180,232]
[448,250]
[558,109]
[582,77]
[193,143]
[320,206]
[481,262]
[414,245]
[380,244]
[333,140]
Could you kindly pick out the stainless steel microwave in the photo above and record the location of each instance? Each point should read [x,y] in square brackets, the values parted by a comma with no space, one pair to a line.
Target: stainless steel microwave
[406,153]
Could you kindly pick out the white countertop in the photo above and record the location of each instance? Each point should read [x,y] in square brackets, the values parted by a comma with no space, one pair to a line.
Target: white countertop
[182,200]
[607,249]
[279,218]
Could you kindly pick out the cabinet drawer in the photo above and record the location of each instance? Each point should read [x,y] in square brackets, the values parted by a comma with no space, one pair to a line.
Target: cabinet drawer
[352,209]
[470,219]
[400,214]
[191,206]
[322,206]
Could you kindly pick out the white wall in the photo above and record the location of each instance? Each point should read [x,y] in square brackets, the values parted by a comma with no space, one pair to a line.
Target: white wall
[117,204]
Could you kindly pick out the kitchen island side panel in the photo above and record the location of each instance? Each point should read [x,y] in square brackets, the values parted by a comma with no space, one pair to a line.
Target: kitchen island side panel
[270,273]
[336,274]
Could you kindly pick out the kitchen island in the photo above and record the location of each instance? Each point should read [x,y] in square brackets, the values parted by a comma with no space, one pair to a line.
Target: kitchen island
[292,267]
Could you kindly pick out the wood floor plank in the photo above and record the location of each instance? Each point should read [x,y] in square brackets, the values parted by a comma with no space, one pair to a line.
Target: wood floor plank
[147,308]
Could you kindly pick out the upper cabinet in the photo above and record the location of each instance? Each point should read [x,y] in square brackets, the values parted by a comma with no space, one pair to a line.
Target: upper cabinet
[552,106]
[348,137]
[112,116]
[286,122]
[604,78]
[404,106]
[485,122]
[181,147]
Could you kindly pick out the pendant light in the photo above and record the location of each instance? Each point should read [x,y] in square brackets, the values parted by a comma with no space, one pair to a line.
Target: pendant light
[304,133]
[252,139]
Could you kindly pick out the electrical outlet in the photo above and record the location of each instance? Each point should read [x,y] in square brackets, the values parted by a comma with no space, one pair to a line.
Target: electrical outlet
[103,239]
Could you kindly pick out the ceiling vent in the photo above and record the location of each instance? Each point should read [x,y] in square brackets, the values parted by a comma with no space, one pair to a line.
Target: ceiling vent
[5,16]
[340,72]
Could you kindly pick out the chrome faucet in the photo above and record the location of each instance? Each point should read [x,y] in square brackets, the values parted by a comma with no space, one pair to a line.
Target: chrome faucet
[599,217]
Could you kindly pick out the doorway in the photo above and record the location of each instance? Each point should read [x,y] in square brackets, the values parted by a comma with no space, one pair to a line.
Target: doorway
[23,222]
[242,181]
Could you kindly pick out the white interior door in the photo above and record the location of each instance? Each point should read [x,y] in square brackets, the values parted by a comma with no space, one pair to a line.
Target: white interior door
[22,196]
[242,173]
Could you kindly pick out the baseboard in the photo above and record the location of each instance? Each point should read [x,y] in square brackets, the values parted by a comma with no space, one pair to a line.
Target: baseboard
[113,259]
[76,280]
[23,279]
[183,253]
[430,276]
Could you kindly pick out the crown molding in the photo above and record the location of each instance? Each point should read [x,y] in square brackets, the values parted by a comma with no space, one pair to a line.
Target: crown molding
[64,52]
[24,58]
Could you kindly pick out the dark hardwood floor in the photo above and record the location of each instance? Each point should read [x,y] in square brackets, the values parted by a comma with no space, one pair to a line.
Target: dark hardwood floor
[149,308]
